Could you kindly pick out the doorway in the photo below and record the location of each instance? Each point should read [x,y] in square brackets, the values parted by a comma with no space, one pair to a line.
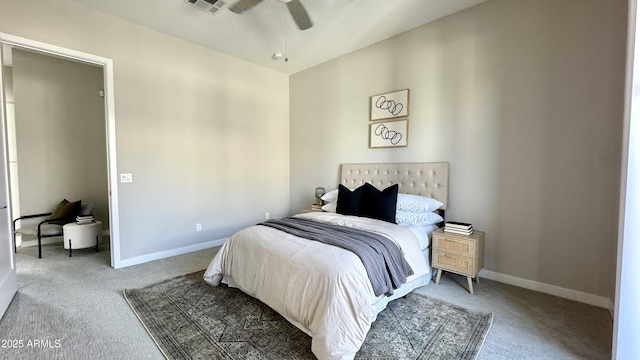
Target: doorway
[56,135]
[106,66]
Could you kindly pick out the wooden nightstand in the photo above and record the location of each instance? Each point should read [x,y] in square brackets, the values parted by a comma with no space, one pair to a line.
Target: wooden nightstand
[312,209]
[458,254]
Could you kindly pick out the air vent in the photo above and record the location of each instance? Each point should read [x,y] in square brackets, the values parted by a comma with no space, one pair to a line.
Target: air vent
[210,6]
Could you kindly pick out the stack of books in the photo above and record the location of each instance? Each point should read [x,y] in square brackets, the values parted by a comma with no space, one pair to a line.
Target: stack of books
[85,219]
[316,207]
[458,228]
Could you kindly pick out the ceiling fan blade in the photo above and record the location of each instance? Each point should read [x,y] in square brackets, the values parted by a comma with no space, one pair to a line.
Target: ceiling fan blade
[299,14]
[243,5]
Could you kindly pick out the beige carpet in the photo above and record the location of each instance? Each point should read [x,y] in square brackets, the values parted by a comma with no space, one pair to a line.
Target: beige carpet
[79,301]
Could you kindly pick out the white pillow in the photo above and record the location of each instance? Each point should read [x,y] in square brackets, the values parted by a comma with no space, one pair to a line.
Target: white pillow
[417,203]
[422,232]
[330,207]
[417,218]
[331,196]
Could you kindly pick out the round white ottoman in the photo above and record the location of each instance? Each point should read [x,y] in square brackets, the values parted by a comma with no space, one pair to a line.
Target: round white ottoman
[80,236]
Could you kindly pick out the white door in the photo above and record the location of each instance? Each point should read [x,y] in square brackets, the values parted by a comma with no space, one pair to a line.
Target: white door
[8,278]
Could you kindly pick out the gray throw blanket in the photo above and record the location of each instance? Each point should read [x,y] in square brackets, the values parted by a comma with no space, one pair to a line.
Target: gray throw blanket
[382,258]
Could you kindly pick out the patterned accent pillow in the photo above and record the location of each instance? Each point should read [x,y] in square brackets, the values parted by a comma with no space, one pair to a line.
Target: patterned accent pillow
[417,203]
[416,218]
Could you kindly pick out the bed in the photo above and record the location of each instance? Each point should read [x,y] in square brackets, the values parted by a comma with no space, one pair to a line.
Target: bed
[324,290]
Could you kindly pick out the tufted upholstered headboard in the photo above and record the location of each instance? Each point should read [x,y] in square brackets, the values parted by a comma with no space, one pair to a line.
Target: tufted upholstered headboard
[426,179]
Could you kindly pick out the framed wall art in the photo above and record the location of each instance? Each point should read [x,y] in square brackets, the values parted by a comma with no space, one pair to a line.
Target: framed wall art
[390,105]
[392,133]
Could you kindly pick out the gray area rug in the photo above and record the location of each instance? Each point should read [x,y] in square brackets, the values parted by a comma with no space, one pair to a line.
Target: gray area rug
[188,319]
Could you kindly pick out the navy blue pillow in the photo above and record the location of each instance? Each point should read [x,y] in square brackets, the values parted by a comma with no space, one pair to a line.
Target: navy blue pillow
[378,204]
[349,201]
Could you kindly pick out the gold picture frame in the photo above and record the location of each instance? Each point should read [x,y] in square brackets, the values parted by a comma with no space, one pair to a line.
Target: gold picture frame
[391,133]
[389,105]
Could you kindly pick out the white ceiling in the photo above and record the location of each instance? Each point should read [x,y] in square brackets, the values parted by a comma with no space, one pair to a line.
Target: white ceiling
[340,26]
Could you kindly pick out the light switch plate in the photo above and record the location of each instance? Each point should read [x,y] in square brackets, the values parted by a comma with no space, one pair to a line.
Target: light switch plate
[126,178]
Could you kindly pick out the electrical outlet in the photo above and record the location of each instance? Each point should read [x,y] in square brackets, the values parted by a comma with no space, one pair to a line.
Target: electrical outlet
[198,227]
[267,216]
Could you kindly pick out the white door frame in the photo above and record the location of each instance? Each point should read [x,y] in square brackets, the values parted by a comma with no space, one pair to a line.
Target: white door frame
[626,319]
[8,273]
[110,117]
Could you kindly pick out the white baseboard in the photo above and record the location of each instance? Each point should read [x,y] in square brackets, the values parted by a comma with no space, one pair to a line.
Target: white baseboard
[611,306]
[56,240]
[168,253]
[45,241]
[600,301]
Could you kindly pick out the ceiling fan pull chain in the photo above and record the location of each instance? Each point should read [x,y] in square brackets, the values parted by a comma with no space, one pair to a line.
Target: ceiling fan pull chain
[286,37]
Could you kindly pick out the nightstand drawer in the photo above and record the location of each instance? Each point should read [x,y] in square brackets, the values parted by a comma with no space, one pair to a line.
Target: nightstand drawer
[451,262]
[456,245]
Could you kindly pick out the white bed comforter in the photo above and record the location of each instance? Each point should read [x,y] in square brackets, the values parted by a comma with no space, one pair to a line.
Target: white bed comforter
[322,289]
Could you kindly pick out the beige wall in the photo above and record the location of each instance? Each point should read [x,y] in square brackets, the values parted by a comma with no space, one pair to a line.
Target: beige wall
[60,133]
[523,98]
[204,135]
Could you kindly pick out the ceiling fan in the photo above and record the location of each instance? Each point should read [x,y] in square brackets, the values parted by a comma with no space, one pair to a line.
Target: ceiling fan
[297,10]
